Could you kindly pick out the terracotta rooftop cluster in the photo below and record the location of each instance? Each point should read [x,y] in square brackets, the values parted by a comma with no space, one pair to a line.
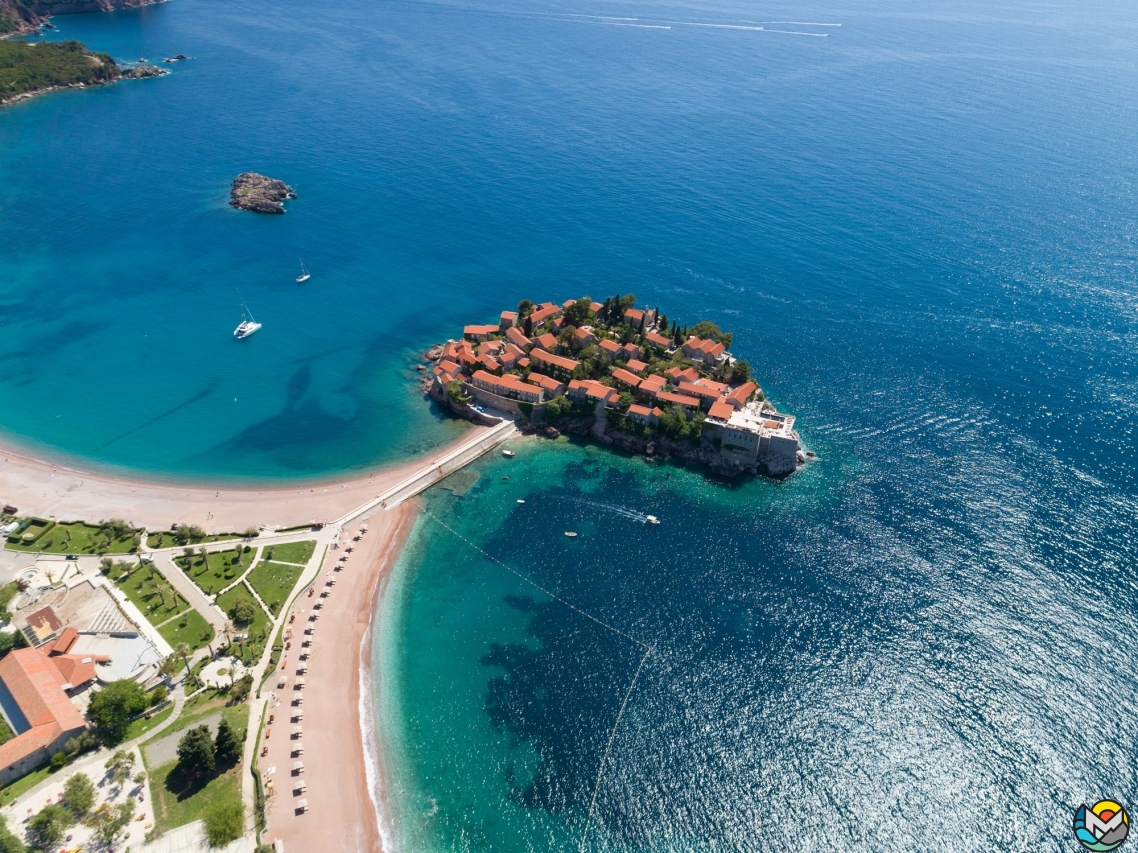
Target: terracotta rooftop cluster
[503,360]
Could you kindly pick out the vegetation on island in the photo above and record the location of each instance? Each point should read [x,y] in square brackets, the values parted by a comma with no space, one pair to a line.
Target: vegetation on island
[28,67]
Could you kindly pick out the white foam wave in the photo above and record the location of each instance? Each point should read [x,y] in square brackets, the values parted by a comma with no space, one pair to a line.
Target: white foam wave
[716,26]
[368,733]
[794,33]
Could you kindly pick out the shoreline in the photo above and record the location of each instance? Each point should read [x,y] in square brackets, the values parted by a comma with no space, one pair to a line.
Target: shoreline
[52,490]
[343,767]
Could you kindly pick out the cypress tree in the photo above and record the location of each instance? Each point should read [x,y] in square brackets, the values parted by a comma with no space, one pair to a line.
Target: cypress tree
[227,747]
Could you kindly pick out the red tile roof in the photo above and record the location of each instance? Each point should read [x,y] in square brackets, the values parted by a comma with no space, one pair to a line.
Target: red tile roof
[508,319]
[507,383]
[637,366]
[634,315]
[653,384]
[548,383]
[595,307]
[561,363]
[543,312]
[594,389]
[738,396]
[611,347]
[547,342]
[514,336]
[658,340]
[477,331]
[697,390]
[677,374]
[678,399]
[721,411]
[583,335]
[621,375]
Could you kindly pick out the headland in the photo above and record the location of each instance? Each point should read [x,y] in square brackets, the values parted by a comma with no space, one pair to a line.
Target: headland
[27,70]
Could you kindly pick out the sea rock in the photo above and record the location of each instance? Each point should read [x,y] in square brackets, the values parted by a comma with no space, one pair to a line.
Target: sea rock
[259,193]
[141,72]
[177,58]
[434,353]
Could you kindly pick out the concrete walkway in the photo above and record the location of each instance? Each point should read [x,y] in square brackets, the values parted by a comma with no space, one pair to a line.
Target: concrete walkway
[191,839]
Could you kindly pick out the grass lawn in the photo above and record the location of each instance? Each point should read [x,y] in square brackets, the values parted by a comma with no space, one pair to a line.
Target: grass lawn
[142,725]
[291,552]
[165,539]
[220,570]
[258,629]
[24,784]
[78,537]
[6,733]
[273,582]
[190,628]
[174,802]
[136,586]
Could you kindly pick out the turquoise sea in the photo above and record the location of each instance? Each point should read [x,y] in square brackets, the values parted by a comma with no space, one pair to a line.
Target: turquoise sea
[920,221]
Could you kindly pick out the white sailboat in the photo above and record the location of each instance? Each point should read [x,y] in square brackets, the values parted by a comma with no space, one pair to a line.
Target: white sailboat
[305,275]
[248,325]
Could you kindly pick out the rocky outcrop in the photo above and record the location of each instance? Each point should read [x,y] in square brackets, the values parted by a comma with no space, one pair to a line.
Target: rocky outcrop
[259,193]
[142,72]
[16,19]
[466,412]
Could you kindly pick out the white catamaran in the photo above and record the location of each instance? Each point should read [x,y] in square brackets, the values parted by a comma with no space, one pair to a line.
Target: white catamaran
[305,275]
[248,325]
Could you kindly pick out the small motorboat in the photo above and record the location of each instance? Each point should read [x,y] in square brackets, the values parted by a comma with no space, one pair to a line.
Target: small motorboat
[652,519]
[520,501]
[509,454]
[570,534]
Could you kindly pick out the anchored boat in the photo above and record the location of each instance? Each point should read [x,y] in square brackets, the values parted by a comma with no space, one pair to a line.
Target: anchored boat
[305,275]
[248,325]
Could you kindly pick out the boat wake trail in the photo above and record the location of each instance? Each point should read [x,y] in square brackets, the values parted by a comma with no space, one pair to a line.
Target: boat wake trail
[615,510]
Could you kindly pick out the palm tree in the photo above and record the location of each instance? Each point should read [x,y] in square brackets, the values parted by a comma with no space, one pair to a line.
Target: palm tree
[203,552]
[155,588]
[183,651]
[169,665]
[227,631]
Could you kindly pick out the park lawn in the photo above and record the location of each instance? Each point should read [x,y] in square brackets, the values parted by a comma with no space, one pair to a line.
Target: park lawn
[165,539]
[134,586]
[274,582]
[173,808]
[78,537]
[142,725]
[190,628]
[219,571]
[258,630]
[291,552]
[24,784]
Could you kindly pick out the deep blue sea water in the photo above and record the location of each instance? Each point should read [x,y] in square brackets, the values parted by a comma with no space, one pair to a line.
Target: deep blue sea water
[920,225]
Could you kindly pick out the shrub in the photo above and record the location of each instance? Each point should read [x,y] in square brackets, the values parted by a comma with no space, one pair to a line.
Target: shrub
[58,760]
[79,795]
[195,754]
[158,695]
[224,821]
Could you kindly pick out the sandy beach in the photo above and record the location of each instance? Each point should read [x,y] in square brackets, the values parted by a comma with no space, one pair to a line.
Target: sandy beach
[38,487]
[341,815]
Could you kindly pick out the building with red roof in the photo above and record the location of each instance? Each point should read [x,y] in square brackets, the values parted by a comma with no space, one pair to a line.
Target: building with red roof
[552,387]
[544,311]
[721,411]
[630,350]
[550,363]
[708,351]
[611,348]
[685,374]
[507,386]
[508,320]
[509,356]
[478,333]
[637,366]
[629,379]
[681,400]
[658,340]
[514,336]
[583,337]
[33,695]
[644,415]
[653,385]
[547,342]
[583,390]
[739,396]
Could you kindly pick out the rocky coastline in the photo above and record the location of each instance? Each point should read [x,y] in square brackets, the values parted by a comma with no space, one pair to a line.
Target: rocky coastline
[104,72]
[259,193]
[19,18]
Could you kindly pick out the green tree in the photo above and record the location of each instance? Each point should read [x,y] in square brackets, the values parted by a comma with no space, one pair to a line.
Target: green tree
[121,764]
[9,842]
[527,327]
[114,705]
[580,312]
[183,651]
[243,610]
[116,528]
[108,825]
[525,308]
[241,688]
[45,830]
[105,565]
[740,372]
[227,746]
[708,330]
[79,795]
[224,821]
[195,755]
[456,394]
[188,534]
[58,760]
